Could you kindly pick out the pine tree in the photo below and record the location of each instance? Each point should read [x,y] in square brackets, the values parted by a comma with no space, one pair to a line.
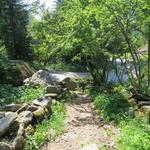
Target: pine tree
[13,28]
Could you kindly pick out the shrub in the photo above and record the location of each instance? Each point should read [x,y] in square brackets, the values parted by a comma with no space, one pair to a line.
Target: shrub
[112,106]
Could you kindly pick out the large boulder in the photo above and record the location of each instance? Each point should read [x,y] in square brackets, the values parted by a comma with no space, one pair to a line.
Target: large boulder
[68,83]
[15,72]
[41,77]
[6,121]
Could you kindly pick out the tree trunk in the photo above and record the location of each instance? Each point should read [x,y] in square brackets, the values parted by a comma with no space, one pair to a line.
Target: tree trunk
[148,63]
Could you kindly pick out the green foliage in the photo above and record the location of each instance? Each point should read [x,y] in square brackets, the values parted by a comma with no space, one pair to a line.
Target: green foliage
[94,33]
[135,135]
[67,67]
[42,131]
[10,94]
[58,66]
[112,106]
[84,84]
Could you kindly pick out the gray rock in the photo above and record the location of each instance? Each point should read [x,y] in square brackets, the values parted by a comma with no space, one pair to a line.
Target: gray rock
[53,89]
[25,117]
[68,83]
[51,95]
[41,77]
[2,115]
[6,121]
[41,102]
[90,147]
[11,107]
[32,108]
[5,146]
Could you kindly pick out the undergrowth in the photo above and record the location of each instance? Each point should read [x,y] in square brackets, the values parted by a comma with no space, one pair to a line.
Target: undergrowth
[135,135]
[48,129]
[10,94]
[113,107]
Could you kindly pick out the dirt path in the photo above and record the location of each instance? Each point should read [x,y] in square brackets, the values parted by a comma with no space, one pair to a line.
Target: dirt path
[84,129]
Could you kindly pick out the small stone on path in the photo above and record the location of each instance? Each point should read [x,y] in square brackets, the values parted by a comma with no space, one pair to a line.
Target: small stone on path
[90,147]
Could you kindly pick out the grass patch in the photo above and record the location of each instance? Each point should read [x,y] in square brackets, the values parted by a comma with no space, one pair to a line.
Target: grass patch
[21,94]
[42,132]
[113,106]
[135,135]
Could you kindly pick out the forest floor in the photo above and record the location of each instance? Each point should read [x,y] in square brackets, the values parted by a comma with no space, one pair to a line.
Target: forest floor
[84,129]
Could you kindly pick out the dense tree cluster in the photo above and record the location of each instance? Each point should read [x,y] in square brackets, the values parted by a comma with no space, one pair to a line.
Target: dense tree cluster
[96,33]
[13,28]
[91,33]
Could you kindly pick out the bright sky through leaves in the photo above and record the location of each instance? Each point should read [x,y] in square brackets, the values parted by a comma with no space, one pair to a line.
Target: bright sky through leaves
[48,3]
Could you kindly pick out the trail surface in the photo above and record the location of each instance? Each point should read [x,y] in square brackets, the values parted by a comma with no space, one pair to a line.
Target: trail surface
[84,129]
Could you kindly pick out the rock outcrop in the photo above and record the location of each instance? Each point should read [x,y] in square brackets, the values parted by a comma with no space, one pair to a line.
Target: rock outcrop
[18,72]
[41,77]
[13,125]
[45,78]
